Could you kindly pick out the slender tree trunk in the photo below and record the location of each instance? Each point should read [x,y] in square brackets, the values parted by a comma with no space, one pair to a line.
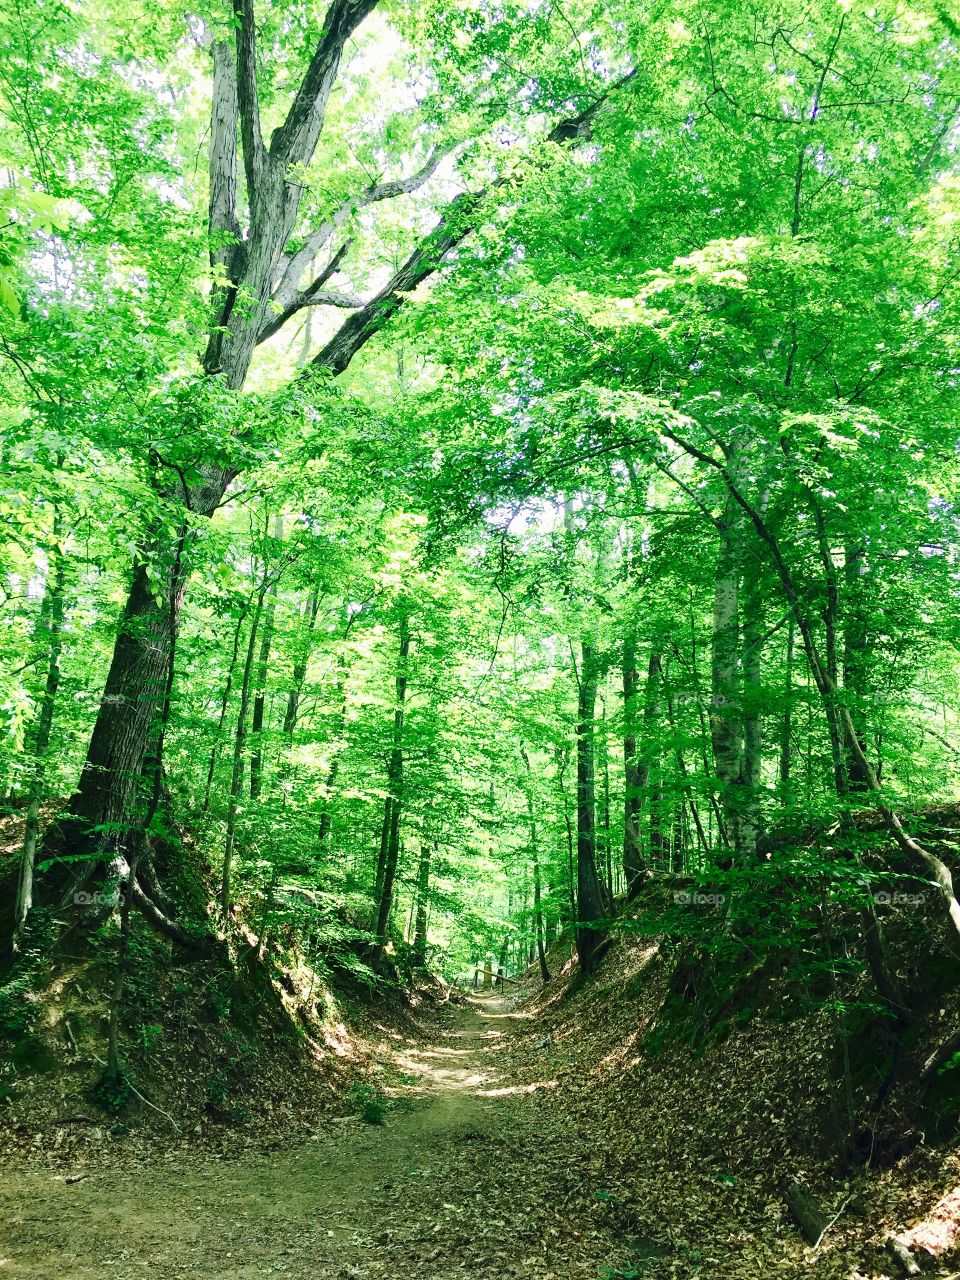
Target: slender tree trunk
[590,903]
[786,720]
[299,674]
[752,768]
[49,634]
[607,842]
[391,852]
[326,814]
[423,889]
[385,827]
[224,706]
[568,827]
[260,696]
[632,786]
[855,650]
[537,886]
[685,780]
[239,748]
[649,775]
[726,718]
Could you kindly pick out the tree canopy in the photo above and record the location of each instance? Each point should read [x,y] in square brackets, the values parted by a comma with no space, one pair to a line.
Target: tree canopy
[463,461]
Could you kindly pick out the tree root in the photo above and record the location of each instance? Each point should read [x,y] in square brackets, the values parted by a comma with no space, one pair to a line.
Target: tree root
[943,1052]
[155,916]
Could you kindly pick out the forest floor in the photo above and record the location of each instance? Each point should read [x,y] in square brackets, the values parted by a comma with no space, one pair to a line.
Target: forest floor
[460,1181]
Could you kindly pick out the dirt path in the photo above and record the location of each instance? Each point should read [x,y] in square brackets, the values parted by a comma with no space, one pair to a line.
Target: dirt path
[459,1182]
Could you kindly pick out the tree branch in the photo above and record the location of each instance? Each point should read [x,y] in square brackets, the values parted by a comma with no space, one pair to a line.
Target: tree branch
[249,97]
[296,264]
[223,226]
[223,152]
[294,142]
[456,223]
[315,296]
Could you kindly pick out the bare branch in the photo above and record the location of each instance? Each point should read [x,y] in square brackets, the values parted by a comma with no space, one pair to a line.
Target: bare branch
[312,297]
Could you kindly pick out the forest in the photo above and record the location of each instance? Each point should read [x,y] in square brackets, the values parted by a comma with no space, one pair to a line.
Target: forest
[480,614]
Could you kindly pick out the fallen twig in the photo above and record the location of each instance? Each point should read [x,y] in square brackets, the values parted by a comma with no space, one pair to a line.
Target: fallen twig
[152,1105]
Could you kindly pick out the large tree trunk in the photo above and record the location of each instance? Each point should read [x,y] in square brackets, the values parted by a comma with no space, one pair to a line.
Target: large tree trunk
[109,803]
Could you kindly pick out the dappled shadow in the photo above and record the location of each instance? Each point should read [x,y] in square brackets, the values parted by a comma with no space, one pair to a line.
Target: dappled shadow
[464,1058]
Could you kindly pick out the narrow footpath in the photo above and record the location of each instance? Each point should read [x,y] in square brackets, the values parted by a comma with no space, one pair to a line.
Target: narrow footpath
[471,1175]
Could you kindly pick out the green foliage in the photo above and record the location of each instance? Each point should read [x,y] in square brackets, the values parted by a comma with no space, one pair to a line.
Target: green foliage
[113,1092]
[16,1006]
[701,347]
[368,1103]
